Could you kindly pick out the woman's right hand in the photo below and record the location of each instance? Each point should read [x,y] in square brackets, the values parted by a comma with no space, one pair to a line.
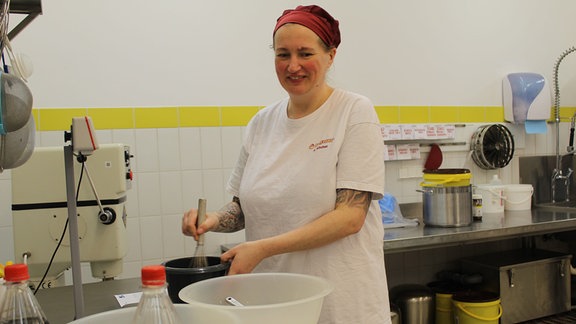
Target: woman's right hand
[189,223]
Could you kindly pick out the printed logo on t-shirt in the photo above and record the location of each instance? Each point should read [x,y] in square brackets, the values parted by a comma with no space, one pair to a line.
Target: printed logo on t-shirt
[321,145]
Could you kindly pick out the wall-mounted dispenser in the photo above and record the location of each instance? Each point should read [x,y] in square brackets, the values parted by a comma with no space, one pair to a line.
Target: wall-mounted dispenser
[527,100]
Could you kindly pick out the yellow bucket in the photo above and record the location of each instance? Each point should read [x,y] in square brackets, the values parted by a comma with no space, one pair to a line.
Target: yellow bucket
[446,178]
[444,309]
[476,307]
[443,291]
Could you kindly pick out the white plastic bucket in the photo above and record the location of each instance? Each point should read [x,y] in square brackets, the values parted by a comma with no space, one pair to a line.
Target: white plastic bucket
[492,198]
[518,196]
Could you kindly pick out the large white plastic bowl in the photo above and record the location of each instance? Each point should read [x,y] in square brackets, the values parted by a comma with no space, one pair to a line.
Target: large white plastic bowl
[189,314]
[279,298]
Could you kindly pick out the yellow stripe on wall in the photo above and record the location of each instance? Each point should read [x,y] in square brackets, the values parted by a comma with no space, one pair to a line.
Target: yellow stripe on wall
[112,118]
[199,116]
[237,116]
[156,117]
[58,119]
[49,119]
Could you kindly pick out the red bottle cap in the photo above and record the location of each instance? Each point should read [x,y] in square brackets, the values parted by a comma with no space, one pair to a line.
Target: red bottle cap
[16,272]
[153,275]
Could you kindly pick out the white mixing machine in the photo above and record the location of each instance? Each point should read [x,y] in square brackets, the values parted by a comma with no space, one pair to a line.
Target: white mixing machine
[39,211]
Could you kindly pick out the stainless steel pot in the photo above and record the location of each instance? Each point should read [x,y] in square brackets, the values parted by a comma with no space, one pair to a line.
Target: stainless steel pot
[416,303]
[447,206]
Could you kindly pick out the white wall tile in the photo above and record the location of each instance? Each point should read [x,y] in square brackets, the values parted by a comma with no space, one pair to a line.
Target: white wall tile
[146,150]
[231,145]
[134,250]
[50,138]
[6,175]
[132,198]
[173,239]
[192,189]
[103,136]
[5,202]
[151,238]
[190,149]
[149,202]
[169,149]
[213,188]
[6,244]
[211,141]
[171,192]
[124,136]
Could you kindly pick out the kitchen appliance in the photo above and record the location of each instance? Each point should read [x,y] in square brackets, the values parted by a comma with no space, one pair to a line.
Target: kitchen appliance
[492,146]
[531,283]
[40,214]
[416,303]
[447,197]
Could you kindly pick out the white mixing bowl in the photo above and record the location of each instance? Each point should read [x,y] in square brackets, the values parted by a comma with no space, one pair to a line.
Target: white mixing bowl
[279,298]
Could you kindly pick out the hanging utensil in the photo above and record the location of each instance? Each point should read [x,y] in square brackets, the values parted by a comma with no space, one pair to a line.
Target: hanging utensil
[434,160]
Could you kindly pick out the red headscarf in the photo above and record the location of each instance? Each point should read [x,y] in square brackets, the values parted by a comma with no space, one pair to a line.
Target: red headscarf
[316,19]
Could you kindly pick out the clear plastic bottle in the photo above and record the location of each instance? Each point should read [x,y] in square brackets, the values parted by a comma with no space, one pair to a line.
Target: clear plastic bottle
[19,305]
[495,181]
[155,306]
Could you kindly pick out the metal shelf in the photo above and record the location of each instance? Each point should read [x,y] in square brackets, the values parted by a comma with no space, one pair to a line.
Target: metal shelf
[31,8]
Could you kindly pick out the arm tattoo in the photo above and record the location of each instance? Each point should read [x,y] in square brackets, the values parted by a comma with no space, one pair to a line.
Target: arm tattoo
[353,198]
[230,217]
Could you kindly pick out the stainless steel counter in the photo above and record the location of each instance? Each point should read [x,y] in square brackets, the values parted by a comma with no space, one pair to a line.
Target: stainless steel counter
[493,227]
[58,303]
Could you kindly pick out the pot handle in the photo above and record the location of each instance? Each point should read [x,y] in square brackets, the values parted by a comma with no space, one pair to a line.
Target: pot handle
[424,191]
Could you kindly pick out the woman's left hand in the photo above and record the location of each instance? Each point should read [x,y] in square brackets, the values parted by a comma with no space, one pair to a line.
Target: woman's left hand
[244,257]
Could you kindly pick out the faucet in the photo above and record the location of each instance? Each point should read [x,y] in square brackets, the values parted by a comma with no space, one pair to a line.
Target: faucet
[557,173]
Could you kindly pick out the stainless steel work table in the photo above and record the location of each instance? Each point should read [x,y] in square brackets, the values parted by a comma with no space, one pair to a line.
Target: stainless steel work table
[493,227]
[58,303]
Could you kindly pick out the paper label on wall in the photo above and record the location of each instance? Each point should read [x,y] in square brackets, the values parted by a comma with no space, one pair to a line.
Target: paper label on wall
[403,152]
[391,132]
[451,131]
[384,131]
[431,132]
[414,150]
[441,131]
[420,131]
[391,151]
[407,132]
[394,132]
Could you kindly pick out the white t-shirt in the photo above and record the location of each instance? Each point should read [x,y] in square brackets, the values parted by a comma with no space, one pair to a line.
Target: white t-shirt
[287,175]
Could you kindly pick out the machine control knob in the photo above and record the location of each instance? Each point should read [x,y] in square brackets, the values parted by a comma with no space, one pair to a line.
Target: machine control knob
[108,216]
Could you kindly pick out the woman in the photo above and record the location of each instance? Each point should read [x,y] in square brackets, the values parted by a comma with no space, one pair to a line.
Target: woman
[308,179]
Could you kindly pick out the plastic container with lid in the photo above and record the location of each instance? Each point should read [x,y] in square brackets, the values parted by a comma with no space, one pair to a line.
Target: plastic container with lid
[492,195]
[518,196]
[19,304]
